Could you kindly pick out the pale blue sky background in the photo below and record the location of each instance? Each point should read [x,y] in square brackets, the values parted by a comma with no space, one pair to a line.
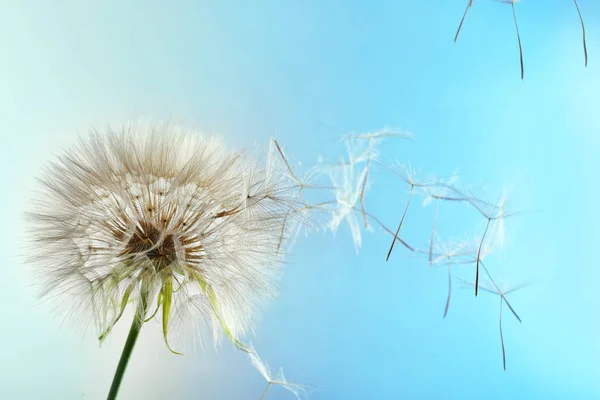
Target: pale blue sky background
[304,72]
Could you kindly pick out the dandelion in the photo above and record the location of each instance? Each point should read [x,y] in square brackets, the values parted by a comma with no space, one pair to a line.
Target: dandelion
[263,368]
[166,220]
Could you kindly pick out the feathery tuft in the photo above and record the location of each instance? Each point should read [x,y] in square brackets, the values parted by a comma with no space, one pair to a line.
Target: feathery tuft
[166,214]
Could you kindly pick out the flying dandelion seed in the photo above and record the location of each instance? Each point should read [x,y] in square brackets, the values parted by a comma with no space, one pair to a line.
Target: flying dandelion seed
[351,178]
[299,391]
[437,193]
[408,175]
[432,237]
[585,55]
[452,253]
[164,219]
[302,183]
[372,139]
[347,179]
[495,216]
[512,3]
[462,20]
[495,289]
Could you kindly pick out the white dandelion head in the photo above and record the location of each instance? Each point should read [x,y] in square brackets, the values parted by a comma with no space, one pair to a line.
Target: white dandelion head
[166,219]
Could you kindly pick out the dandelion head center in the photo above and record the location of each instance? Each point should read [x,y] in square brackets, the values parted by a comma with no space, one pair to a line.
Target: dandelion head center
[147,239]
[146,224]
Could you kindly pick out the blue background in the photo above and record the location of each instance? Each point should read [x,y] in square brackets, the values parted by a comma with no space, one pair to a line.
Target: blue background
[305,72]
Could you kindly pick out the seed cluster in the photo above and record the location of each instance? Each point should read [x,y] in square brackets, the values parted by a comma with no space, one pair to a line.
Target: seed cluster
[163,215]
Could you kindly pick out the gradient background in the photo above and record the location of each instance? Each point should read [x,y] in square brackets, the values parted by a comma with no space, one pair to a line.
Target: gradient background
[355,326]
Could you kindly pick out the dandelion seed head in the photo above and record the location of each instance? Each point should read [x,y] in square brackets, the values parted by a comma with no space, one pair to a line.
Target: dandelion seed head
[166,213]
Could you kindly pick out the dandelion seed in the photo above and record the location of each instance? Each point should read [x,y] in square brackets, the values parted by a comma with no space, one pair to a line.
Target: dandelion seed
[582,33]
[453,253]
[438,192]
[368,155]
[437,209]
[463,20]
[387,230]
[299,391]
[493,213]
[449,290]
[400,224]
[301,185]
[495,289]
[301,216]
[487,225]
[407,174]
[364,187]
[502,338]
[160,215]
[440,188]
[379,134]
[512,4]
[347,195]
[503,293]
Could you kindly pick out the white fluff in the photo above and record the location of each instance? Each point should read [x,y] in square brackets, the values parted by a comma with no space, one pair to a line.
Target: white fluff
[129,211]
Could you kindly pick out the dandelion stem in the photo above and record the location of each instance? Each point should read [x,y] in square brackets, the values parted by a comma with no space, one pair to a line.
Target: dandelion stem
[134,332]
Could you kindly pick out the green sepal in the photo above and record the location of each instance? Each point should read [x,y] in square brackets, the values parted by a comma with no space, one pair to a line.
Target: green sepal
[212,297]
[167,297]
[124,302]
[213,300]
[159,302]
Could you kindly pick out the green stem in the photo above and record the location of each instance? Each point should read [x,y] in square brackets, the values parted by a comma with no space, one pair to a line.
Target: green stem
[134,332]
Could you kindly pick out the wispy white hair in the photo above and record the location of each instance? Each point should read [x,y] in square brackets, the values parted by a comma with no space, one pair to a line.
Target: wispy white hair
[164,216]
